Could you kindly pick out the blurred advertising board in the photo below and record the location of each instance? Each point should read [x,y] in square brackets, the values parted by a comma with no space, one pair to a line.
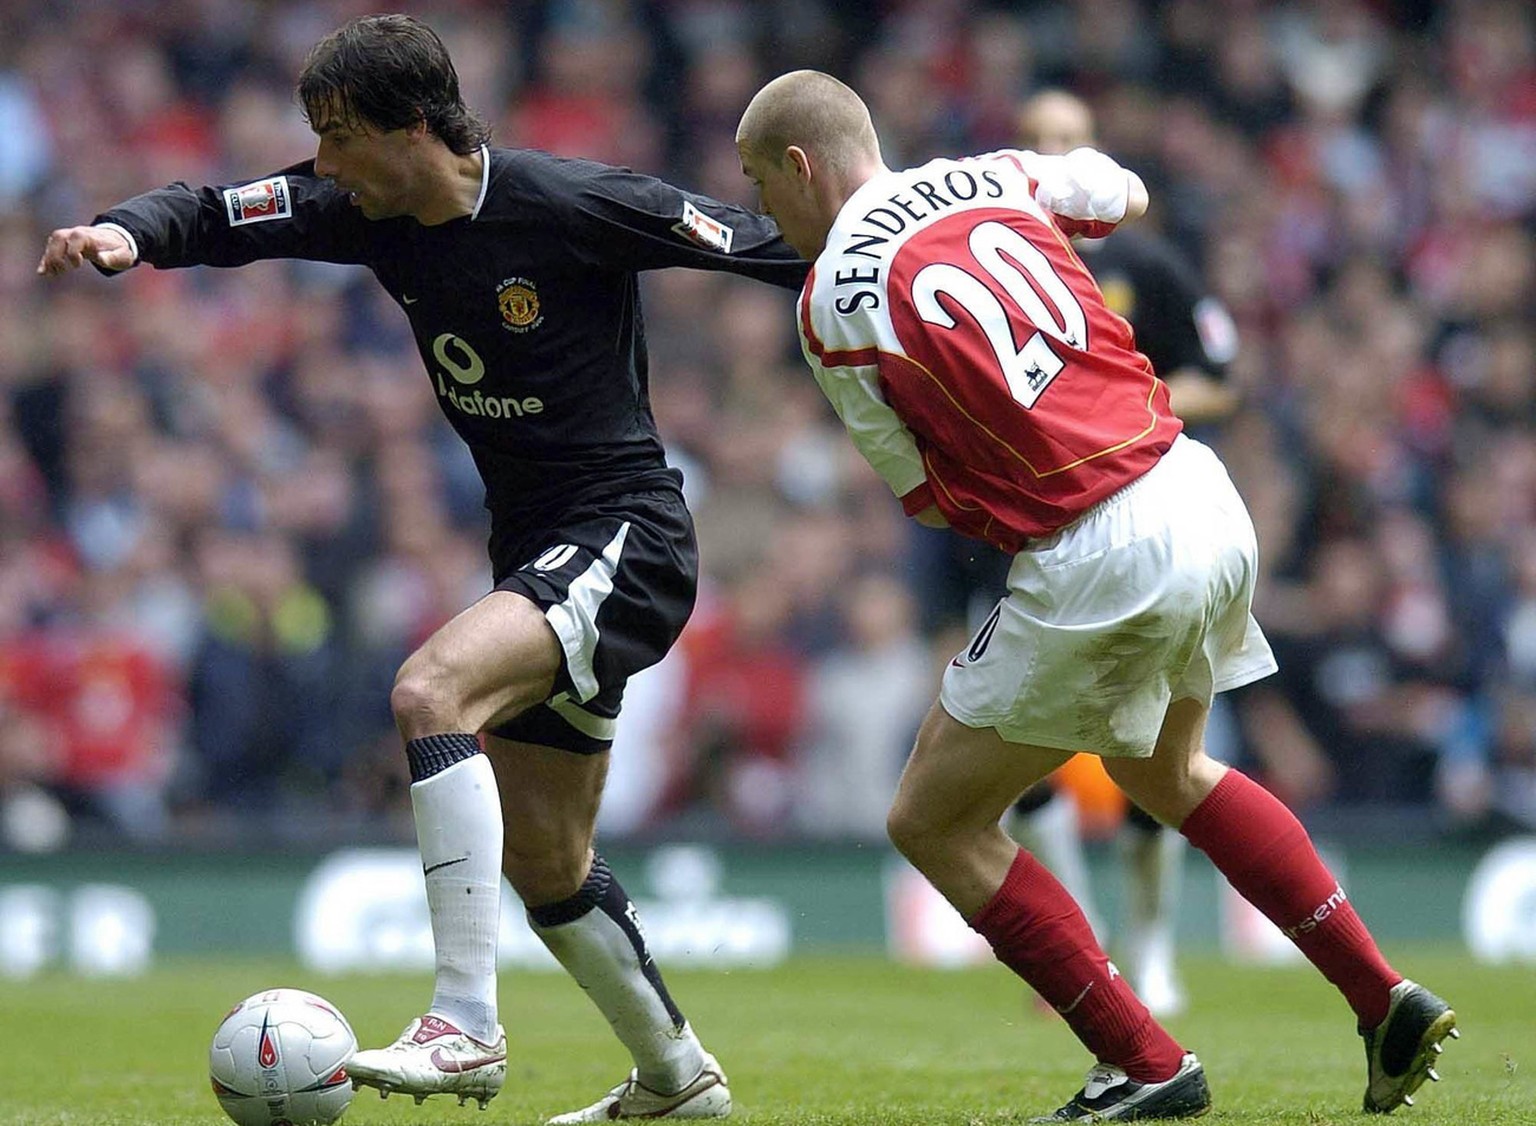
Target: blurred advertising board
[742,904]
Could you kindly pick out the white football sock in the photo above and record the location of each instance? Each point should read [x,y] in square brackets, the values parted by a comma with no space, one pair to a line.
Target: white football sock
[458,829]
[596,936]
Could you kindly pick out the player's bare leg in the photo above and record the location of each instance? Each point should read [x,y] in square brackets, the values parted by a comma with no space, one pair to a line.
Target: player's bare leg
[954,790]
[1178,775]
[1267,856]
[497,657]
[945,820]
[582,913]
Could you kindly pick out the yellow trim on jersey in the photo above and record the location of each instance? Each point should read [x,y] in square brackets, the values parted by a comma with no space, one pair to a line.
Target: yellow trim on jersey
[1151,394]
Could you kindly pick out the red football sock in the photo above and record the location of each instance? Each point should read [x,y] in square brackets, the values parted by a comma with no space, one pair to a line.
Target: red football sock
[1266,855]
[1038,931]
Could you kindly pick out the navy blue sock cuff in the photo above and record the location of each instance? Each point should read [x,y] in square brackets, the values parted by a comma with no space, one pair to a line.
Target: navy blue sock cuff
[588,896]
[432,754]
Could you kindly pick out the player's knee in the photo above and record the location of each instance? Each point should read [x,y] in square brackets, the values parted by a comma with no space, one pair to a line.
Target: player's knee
[422,700]
[915,835]
[1143,782]
[1168,787]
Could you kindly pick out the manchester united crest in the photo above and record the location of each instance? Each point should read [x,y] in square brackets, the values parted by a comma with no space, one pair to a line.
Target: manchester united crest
[518,300]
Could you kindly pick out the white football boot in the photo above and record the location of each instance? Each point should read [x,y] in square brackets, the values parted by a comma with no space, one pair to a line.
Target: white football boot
[433,1057]
[706,1096]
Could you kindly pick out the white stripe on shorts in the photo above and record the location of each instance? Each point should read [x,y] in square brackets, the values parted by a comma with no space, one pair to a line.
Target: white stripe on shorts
[592,726]
[575,619]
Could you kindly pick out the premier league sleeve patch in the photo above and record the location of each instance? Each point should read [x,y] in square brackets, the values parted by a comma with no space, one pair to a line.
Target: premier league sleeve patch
[258,202]
[698,227]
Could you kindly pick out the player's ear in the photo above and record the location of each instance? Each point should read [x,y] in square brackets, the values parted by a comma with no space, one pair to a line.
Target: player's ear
[800,162]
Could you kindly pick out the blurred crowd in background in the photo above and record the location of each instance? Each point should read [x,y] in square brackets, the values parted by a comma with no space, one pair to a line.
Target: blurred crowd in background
[229,507]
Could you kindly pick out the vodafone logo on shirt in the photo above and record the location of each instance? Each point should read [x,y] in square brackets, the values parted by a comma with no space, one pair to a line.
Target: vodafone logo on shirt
[258,202]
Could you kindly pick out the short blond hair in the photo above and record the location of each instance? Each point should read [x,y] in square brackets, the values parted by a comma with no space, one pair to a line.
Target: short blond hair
[813,111]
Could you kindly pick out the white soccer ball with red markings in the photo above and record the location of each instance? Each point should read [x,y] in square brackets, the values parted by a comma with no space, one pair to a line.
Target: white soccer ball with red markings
[280,1059]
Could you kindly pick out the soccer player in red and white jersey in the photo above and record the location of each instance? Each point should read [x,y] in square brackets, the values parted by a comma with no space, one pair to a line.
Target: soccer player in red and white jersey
[975,365]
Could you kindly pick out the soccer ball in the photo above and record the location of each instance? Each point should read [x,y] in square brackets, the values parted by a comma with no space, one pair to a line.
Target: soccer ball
[280,1059]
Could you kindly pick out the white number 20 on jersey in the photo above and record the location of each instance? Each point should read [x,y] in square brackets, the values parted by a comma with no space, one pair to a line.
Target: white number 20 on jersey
[1030,369]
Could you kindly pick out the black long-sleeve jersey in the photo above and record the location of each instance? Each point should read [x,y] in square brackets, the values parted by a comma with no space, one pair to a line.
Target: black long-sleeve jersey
[1149,283]
[526,312]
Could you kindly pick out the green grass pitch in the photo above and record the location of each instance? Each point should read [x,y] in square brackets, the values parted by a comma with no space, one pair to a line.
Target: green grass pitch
[817,1042]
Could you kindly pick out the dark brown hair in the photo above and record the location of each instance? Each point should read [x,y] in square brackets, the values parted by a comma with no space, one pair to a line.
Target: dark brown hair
[389,72]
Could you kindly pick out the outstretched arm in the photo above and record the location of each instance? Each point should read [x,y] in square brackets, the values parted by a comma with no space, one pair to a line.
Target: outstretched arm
[288,214]
[69,248]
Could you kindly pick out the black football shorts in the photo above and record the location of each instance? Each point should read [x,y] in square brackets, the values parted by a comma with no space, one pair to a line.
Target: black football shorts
[616,579]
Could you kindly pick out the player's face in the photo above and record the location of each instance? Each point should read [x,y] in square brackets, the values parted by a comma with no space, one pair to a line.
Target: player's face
[370,165]
[784,193]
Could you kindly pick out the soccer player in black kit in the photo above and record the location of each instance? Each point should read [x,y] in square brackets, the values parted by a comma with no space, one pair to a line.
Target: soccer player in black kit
[517,272]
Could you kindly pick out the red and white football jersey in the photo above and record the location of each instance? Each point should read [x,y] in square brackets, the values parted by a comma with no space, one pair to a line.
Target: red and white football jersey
[969,352]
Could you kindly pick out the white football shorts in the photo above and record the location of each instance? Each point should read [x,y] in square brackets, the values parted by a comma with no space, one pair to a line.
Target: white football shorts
[1142,600]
